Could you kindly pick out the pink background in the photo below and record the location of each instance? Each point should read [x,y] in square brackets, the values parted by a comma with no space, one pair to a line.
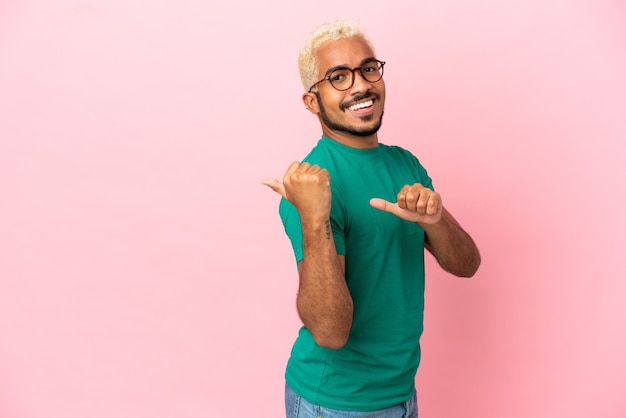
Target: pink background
[144,269]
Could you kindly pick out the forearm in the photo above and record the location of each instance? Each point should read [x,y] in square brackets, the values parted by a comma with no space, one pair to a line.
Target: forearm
[324,302]
[452,247]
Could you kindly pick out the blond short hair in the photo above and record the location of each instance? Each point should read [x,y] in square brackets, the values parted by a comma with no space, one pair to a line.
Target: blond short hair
[332,31]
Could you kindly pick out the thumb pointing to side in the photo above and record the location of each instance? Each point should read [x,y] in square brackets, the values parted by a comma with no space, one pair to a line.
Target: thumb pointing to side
[393,208]
[382,204]
[275,185]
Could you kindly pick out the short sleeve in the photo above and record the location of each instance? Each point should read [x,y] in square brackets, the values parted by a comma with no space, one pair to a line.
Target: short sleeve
[422,175]
[293,227]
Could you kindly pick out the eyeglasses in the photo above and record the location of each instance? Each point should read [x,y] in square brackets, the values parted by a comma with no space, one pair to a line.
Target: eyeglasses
[342,78]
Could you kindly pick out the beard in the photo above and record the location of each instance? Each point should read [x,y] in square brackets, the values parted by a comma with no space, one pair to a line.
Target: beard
[349,129]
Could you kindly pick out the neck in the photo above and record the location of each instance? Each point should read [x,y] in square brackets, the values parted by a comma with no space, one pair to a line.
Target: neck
[351,140]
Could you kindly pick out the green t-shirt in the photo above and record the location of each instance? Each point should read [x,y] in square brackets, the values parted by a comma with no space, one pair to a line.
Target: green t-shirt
[384,273]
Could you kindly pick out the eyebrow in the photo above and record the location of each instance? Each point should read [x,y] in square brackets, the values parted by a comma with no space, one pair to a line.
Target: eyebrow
[339,67]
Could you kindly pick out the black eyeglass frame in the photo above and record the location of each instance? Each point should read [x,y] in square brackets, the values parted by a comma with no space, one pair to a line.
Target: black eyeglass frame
[352,70]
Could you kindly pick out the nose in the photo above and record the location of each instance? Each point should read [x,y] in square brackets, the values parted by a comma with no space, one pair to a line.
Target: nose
[360,83]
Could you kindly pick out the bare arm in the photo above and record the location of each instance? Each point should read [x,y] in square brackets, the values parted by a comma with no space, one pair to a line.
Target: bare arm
[324,302]
[451,246]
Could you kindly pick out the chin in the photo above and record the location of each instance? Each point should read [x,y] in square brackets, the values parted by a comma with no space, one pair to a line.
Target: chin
[369,130]
[368,124]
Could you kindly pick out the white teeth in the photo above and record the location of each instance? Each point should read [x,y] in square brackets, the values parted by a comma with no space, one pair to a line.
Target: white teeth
[361,105]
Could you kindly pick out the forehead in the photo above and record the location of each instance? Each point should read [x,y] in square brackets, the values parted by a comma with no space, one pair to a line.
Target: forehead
[349,52]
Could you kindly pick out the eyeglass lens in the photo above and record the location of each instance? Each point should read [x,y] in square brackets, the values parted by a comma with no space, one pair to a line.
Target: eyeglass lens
[343,78]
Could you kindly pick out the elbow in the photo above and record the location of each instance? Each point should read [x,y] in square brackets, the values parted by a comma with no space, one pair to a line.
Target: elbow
[333,335]
[471,268]
[466,274]
[334,342]
[466,269]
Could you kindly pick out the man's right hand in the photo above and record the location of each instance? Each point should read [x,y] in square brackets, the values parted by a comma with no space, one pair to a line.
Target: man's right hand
[307,187]
[323,301]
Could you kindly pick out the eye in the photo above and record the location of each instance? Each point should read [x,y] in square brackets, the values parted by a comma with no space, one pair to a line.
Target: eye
[370,67]
[339,75]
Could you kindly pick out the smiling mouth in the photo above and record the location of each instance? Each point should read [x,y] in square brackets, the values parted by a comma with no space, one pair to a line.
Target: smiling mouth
[362,105]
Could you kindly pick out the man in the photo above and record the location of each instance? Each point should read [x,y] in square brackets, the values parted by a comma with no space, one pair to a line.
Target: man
[360,257]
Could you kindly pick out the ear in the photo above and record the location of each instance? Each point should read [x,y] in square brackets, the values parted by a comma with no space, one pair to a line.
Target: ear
[310,102]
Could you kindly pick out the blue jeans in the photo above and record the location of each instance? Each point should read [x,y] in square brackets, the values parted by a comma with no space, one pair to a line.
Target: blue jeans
[297,407]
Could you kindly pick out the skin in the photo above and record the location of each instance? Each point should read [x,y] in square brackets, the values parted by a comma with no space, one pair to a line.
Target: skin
[331,104]
[324,302]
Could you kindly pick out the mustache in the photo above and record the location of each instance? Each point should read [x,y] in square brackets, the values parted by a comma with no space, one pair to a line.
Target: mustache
[358,98]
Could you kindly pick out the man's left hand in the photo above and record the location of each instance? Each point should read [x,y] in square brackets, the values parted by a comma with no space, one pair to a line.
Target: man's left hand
[415,203]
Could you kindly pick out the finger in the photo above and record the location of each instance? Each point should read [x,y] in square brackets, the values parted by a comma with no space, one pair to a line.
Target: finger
[412,198]
[382,204]
[324,175]
[434,204]
[314,169]
[402,197]
[275,185]
[421,203]
[292,168]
